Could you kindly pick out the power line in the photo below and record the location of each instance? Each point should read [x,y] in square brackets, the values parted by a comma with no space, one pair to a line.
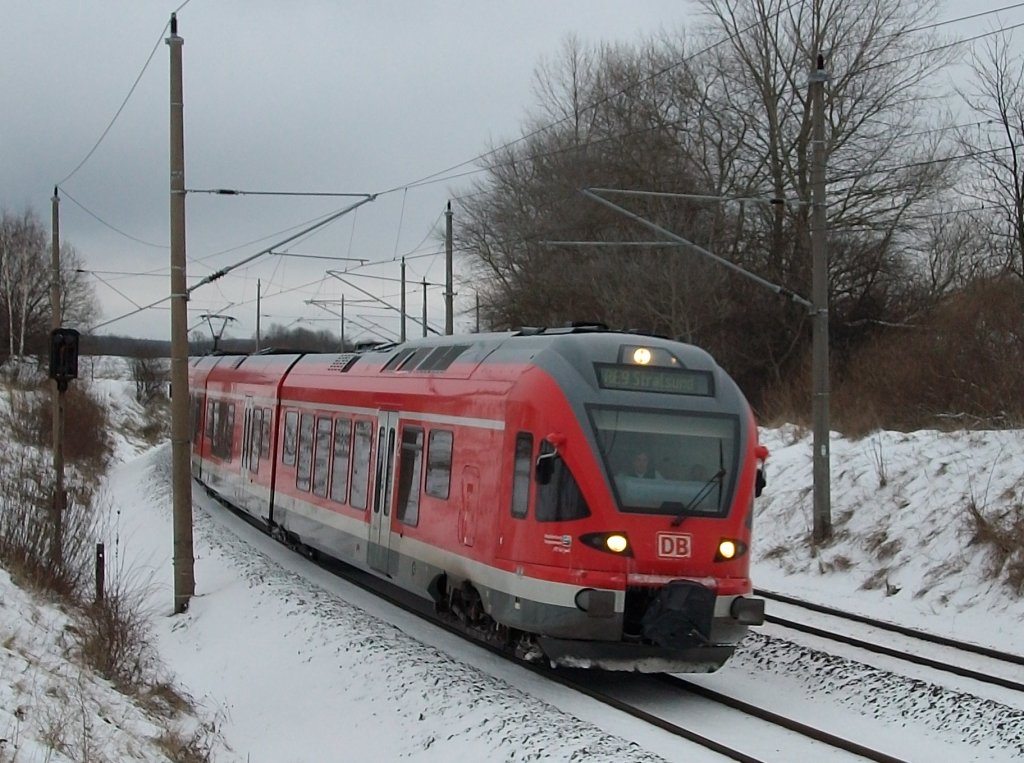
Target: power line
[945,46]
[913,165]
[123,104]
[235,192]
[108,225]
[599,102]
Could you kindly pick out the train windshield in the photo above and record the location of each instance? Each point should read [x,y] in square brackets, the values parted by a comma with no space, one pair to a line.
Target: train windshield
[667,462]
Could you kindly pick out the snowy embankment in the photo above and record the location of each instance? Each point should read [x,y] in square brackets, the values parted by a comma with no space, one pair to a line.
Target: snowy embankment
[904,545]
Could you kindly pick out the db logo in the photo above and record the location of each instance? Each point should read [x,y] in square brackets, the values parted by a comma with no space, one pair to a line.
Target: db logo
[674,545]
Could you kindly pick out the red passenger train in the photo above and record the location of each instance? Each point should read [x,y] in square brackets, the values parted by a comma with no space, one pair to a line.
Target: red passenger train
[583,495]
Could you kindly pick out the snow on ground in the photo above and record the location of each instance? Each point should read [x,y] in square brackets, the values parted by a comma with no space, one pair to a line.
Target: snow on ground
[287,663]
[902,548]
[53,709]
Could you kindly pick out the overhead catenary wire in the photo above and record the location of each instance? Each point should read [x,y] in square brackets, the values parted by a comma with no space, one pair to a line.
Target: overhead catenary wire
[443,176]
[103,222]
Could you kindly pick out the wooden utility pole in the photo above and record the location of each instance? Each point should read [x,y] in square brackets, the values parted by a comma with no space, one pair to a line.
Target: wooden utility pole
[181,474]
[819,252]
[449,294]
[424,308]
[57,398]
[257,315]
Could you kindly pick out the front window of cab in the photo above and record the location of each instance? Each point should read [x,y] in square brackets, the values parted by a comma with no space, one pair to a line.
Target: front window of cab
[668,462]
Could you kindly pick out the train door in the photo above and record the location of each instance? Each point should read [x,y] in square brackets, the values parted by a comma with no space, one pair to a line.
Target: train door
[378,547]
[470,504]
[248,433]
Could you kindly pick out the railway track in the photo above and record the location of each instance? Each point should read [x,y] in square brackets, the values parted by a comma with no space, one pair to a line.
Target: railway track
[786,739]
[605,688]
[992,667]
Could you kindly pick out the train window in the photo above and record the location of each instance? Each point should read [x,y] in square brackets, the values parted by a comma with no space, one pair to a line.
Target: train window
[521,471]
[265,435]
[339,474]
[410,463]
[255,436]
[427,363]
[396,359]
[443,357]
[246,436]
[439,463]
[197,416]
[322,456]
[560,500]
[384,485]
[361,463]
[693,459]
[291,426]
[211,414]
[414,360]
[222,438]
[246,424]
[229,430]
[305,452]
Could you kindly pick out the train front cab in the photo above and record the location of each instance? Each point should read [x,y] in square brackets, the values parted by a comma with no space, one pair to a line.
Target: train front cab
[644,574]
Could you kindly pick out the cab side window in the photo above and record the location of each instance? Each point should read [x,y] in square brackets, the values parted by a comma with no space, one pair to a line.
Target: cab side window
[560,499]
[522,470]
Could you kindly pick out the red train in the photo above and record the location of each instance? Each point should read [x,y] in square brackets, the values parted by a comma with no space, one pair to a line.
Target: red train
[584,496]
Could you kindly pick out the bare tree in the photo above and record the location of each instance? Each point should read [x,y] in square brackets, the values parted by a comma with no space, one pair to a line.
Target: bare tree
[25,274]
[885,165]
[728,116]
[995,145]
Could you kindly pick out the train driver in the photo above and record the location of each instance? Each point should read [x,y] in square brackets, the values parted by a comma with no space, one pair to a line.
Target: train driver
[642,467]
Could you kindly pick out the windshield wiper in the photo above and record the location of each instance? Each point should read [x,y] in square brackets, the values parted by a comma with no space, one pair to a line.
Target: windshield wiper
[703,493]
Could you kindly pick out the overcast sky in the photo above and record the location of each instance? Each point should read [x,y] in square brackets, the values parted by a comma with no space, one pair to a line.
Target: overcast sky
[326,95]
[314,95]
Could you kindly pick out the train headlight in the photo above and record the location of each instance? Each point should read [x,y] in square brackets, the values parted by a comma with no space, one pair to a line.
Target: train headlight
[614,543]
[729,549]
[641,356]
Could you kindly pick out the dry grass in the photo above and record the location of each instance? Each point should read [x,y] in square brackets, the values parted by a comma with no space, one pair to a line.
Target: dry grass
[183,747]
[1002,533]
[878,580]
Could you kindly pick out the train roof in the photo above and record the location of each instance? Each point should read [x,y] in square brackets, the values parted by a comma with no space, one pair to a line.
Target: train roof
[460,355]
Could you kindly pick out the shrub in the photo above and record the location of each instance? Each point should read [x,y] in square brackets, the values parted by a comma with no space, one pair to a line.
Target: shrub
[26,527]
[115,638]
[150,377]
[87,440]
[962,366]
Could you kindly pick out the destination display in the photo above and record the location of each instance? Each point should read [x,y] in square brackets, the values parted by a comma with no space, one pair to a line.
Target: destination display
[672,381]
